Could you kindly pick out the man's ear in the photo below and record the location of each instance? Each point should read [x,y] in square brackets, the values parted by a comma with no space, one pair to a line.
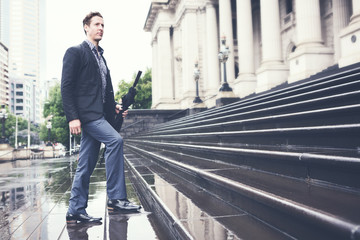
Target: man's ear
[86,28]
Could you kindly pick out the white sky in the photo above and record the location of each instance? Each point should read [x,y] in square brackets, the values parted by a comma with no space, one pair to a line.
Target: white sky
[126,45]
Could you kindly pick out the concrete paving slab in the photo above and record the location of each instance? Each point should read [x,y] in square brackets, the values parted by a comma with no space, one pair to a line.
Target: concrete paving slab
[34,202]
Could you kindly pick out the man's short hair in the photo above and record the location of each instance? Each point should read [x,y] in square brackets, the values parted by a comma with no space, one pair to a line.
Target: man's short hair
[87,19]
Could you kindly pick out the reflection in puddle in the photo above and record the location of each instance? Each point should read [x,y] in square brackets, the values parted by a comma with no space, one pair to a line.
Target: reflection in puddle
[132,226]
[118,226]
[24,181]
[199,224]
[34,200]
[80,231]
[28,188]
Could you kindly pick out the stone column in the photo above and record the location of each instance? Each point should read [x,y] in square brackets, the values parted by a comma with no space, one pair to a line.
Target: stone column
[310,56]
[154,80]
[272,71]
[225,20]
[350,38]
[190,55]
[341,18]
[246,81]
[308,23]
[213,66]
[177,62]
[270,31]
[164,74]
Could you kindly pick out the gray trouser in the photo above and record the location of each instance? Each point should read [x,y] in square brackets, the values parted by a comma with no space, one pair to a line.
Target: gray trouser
[93,133]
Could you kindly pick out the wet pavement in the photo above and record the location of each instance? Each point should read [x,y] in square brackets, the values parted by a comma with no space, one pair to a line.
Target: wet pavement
[34,201]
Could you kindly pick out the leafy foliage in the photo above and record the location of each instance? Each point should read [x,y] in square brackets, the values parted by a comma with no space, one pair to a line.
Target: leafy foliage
[54,105]
[53,110]
[9,126]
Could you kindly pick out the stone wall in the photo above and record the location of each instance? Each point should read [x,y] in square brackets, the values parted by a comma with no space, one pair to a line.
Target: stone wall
[144,119]
[8,153]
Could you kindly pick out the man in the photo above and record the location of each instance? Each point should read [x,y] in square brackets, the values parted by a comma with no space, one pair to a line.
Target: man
[90,108]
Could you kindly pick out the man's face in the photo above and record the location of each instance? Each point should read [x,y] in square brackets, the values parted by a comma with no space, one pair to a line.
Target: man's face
[96,29]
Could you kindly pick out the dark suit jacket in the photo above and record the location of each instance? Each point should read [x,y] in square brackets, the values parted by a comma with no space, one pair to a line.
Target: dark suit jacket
[81,87]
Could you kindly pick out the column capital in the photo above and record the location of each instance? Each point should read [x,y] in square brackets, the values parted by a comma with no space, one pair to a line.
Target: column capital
[211,3]
[164,28]
[161,28]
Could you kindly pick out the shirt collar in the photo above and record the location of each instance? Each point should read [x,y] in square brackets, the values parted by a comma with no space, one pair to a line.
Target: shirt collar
[92,47]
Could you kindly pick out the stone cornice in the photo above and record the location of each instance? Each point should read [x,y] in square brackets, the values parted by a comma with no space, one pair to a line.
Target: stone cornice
[155,7]
[152,14]
[179,8]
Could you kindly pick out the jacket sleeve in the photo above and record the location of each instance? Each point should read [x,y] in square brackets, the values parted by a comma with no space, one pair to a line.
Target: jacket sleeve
[71,65]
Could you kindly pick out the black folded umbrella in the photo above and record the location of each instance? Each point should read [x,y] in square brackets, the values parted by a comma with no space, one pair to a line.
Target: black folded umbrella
[127,100]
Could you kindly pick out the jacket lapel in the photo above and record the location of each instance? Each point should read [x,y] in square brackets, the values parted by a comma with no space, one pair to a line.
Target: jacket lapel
[91,56]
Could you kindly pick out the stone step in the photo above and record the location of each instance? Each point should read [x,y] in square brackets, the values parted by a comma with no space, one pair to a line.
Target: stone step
[310,137]
[323,165]
[318,87]
[288,157]
[188,211]
[296,207]
[345,102]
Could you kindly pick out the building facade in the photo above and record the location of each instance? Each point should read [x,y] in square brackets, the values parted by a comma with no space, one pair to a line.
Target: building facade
[4,76]
[271,42]
[25,58]
[20,27]
[4,22]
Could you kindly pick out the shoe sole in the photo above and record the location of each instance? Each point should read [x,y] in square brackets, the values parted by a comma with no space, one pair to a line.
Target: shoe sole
[112,210]
[78,222]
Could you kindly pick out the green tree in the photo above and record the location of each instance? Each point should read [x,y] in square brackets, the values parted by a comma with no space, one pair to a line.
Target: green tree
[143,98]
[53,110]
[54,105]
[10,125]
[123,89]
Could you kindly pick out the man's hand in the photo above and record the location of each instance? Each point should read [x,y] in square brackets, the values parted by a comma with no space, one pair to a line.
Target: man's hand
[75,127]
[125,113]
[118,109]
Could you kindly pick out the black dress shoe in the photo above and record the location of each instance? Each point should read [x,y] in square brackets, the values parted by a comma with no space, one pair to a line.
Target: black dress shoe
[81,218]
[122,205]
